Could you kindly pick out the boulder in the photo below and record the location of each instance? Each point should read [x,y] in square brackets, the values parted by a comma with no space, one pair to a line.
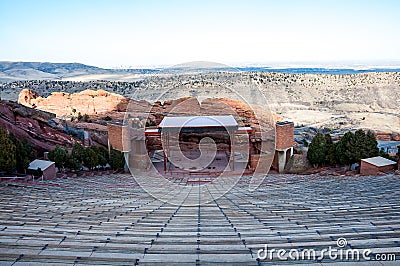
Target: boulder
[27,97]
[297,163]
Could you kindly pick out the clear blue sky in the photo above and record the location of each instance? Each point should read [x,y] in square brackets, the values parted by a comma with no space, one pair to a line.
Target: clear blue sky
[146,33]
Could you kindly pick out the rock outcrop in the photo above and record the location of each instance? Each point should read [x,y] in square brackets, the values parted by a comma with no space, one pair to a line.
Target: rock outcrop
[88,102]
[297,164]
[36,126]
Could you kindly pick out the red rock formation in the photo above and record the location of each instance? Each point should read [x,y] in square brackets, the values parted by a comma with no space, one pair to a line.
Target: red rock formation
[86,102]
[242,112]
[32,125]
[383,136]
[105,103]
[28,97]
[387,136]
[101,103]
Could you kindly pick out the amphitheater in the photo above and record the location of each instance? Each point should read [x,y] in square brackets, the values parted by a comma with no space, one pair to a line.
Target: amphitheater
[110,220]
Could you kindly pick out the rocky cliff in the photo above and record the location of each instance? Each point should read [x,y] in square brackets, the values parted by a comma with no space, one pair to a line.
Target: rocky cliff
[40,128]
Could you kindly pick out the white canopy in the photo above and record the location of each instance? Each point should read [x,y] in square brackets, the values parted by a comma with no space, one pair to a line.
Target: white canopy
[198,121]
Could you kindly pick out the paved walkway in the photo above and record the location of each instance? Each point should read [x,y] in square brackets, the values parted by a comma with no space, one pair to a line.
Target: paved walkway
[104,220]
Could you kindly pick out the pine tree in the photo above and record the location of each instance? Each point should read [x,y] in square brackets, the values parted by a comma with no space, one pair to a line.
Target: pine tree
[72,163]
[371,145]
[102,155]
[317,150]
[8,160]
[330,157]
[358,147]
[365,145]
[344,149]
[59,156]
[91,159]
[117,160]
[23,153]
[353,147]
[78,152]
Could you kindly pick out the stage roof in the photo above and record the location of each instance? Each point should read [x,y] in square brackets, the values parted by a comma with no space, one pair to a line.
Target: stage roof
[227,121]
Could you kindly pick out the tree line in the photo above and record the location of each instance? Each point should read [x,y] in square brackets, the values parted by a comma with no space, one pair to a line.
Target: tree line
[16,155]
[351,148]
[90,157]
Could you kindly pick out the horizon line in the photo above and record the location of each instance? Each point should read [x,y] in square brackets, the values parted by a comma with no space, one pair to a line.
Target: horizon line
[339,64]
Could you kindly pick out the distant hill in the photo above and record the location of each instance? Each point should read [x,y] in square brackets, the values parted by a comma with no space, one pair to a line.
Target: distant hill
[37,70]
[53,68]
[13,71]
